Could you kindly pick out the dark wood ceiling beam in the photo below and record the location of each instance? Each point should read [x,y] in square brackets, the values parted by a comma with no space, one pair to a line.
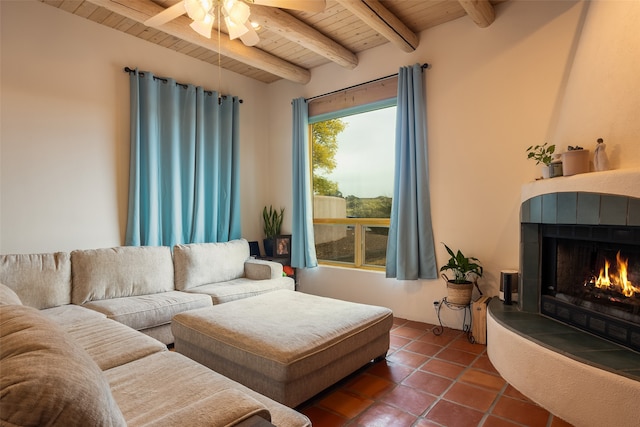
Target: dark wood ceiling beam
[480,11]
[287,26]
[141,10]
[379,18]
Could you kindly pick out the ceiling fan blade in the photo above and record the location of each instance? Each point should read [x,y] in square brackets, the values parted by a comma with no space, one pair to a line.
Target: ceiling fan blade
[166,15]
[303,5]
[250,38]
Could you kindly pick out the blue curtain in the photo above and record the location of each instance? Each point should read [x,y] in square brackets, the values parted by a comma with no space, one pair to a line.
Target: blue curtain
[303,249]
[184,165]
[410,248]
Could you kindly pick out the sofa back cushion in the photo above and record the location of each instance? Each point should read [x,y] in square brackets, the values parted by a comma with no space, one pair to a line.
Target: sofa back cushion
[40,280]
[47,378]
[199,264]
[125,271]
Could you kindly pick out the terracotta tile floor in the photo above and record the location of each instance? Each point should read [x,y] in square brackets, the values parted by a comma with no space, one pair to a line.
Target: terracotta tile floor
[427,380]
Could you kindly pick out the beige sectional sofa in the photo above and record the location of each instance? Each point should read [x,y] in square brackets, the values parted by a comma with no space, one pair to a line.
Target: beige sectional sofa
[144,286]
[225,271]
[132,285]
[72,351]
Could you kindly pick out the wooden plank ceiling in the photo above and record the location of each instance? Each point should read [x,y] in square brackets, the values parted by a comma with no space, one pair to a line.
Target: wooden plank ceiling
[291,42]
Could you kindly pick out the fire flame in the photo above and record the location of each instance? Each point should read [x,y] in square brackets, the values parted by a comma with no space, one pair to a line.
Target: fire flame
[618,281]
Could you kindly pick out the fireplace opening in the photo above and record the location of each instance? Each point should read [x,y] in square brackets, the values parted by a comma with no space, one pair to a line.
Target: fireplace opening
[590,278]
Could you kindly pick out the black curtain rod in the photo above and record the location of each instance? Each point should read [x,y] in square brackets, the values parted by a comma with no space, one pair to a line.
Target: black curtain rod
[425,65]
[162,79]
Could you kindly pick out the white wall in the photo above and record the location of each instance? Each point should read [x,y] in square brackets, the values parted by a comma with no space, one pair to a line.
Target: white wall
[65,128]
[490,94]
[602,97]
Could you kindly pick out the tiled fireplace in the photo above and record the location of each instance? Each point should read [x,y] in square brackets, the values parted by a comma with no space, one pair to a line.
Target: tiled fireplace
[581,262]
[549,346]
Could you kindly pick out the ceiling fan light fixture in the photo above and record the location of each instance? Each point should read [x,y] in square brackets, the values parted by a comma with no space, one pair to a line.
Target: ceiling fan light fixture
[238,11]
[235,30]
[198,9]
[204,26]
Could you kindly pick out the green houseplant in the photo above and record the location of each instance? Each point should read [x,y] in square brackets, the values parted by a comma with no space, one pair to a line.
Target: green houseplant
[545,154]
[272,219]
[541,153]
[466,271]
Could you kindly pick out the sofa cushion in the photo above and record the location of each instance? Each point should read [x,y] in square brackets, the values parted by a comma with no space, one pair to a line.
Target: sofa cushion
[151,389]
[100,274]
[147,311]
[8,296]
[223,408]
[198,264]
[40,280]
[66,315]
[112,344]
[259,269]
[47,379]
[243,288]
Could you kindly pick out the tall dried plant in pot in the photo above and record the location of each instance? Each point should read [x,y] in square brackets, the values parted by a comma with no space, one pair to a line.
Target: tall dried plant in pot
[272,221]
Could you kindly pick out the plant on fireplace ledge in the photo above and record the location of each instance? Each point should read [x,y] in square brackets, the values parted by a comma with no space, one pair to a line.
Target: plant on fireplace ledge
[466,271]
[541,153]
[545,154]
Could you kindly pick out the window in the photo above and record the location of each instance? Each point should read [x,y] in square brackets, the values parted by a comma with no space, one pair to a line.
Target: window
[352,172]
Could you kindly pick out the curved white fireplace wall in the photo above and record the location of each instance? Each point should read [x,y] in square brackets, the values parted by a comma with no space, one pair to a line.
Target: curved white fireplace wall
[580,394]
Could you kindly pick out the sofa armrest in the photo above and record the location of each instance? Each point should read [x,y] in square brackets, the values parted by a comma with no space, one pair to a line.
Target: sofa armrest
[226,407]
[254,421]
[259,269]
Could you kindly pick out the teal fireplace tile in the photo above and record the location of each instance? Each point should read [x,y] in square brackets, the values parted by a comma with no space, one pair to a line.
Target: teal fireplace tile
[588,211]
[633,216]
[567,208]
[549,208]
[620,359]
[577,341]
[535,209]
[613,210]
[529,233]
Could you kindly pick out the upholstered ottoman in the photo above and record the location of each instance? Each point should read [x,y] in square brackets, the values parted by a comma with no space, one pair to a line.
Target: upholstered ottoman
[284,344]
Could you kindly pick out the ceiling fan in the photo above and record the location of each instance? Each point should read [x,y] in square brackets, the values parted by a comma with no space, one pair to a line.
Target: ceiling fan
[234,12]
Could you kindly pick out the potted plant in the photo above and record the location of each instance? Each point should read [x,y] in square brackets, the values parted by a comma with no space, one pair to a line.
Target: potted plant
[272,224]
[544,154]
[466,271]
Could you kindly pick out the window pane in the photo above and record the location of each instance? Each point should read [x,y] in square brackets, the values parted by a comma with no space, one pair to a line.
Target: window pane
[364,156]
[375,246]
[335,243]
[353,165]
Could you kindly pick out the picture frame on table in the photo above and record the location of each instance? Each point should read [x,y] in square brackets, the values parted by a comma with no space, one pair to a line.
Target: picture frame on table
[282,246]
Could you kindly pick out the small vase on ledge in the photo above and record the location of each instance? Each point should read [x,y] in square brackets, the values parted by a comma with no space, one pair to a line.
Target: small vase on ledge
[546,171]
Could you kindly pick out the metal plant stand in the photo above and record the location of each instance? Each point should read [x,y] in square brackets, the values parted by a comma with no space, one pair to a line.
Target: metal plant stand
[466,327]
